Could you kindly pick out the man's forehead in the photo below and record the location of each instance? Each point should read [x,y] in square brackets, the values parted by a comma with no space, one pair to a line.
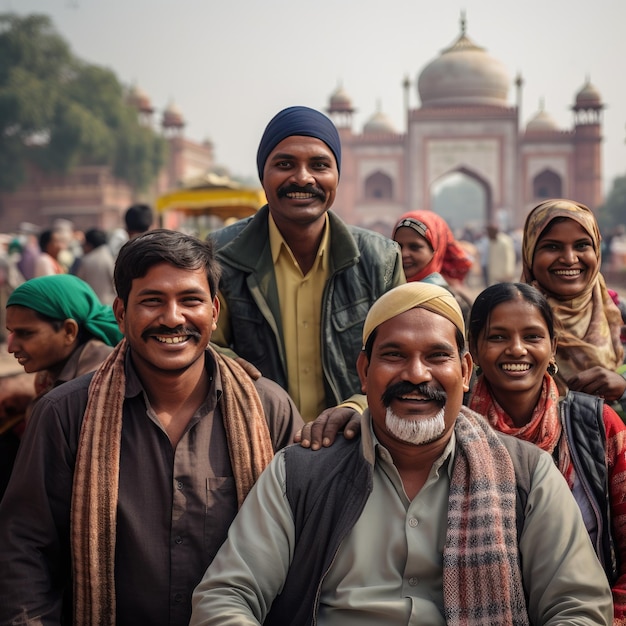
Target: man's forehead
[419,323]
[300,142]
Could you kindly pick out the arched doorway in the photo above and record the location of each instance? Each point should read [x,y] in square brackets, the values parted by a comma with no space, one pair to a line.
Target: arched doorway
[463,199]
[547,184]
[378,186]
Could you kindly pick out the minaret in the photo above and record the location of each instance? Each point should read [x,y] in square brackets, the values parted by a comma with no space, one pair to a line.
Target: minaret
[340,109]
[588,146]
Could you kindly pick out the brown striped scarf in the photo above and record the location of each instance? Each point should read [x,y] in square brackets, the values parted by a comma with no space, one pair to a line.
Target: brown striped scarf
[482,580]
[96,476]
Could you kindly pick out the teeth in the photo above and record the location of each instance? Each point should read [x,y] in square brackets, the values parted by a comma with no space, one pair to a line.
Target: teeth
[176,339]
[516,367]
[568,272]
[299,195]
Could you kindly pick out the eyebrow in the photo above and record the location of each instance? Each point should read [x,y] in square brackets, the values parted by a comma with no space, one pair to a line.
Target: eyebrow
[440,345]
[533,327]
[287,156]
[158,292]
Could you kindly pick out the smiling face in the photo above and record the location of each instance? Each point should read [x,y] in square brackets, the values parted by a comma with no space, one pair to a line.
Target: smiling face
[168,319]
[415,370]
[300,179]
[416,251]
[513,350]
[565,261]
[35,343]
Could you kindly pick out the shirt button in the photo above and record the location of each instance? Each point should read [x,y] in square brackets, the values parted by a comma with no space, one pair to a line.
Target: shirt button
[413,581]
[413,522]
[178,540]
[178,597]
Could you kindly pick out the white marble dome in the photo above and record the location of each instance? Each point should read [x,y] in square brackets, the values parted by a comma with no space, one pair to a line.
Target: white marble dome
[541,121]
[378,123]
[464,75]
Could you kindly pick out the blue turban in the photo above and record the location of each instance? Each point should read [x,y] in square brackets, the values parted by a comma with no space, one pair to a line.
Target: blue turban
[65,296]
[298,121]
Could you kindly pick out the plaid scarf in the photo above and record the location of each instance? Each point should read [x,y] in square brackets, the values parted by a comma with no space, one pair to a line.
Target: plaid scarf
[96,476]
[482,580]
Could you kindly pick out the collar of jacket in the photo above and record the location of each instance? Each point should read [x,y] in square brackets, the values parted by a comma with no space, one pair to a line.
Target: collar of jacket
[247,249]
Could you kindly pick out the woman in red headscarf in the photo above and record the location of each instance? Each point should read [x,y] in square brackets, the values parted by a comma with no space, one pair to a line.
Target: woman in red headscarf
[430,253]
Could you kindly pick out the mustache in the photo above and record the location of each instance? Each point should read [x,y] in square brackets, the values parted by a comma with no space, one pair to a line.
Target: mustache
[283,191]
[164,330]
[404,388]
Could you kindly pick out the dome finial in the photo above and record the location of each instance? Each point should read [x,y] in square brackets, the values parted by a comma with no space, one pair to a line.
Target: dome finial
[463,23]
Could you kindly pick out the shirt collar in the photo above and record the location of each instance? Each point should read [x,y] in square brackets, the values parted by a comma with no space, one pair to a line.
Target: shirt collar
[278,243]
[134,386]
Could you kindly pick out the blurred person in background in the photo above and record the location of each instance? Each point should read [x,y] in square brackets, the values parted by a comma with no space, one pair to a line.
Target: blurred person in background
[431,254]
[96,265]
[501,262]
[51,243]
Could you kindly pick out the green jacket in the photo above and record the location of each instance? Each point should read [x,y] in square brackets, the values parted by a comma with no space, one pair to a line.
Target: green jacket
[363,266]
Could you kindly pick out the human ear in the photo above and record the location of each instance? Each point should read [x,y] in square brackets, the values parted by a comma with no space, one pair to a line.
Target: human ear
[362,366]
[70,328]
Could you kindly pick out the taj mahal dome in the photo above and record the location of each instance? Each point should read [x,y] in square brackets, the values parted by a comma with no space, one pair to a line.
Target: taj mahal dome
[466,125]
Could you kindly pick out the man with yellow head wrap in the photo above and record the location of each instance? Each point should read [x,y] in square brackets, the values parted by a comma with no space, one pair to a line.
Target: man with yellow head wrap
[432,518]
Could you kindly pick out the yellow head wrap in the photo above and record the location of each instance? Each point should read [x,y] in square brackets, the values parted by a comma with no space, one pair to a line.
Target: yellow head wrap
[409,296]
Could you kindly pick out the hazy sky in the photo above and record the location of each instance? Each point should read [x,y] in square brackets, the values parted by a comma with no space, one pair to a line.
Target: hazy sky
[230,65]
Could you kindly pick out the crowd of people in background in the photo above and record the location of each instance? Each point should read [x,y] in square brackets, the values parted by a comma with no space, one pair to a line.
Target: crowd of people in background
[144,451]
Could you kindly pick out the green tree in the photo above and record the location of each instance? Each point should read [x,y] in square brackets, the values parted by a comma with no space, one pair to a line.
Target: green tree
[613,211]
[57,111]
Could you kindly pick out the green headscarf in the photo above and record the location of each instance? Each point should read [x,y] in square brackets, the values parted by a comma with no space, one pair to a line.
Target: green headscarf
[64,296]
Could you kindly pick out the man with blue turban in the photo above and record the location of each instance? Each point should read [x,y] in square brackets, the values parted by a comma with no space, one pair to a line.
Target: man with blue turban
[297,281]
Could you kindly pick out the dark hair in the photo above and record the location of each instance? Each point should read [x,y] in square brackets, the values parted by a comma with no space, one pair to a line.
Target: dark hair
[55,322]
[95,237]
[138,255]
[44,238]
[367,348]
[138,218]
[83,336]
[490,298]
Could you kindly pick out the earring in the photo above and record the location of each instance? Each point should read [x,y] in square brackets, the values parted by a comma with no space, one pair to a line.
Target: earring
[553,368]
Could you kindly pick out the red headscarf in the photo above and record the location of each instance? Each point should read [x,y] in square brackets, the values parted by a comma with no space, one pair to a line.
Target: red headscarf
[449,258]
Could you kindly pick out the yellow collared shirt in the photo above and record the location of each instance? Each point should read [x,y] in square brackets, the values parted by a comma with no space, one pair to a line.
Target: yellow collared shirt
[300,300]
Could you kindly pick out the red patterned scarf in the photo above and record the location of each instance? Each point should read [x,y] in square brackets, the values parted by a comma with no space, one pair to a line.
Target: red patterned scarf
[543,429]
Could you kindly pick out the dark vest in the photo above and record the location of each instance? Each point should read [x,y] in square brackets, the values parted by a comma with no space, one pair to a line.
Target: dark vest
[327,491]
[581,416]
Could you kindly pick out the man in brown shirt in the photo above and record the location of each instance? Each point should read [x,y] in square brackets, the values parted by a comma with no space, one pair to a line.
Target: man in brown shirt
[155,497]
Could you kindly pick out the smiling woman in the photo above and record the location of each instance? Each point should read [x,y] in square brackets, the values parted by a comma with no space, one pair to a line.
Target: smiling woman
[561,258]
[512,340]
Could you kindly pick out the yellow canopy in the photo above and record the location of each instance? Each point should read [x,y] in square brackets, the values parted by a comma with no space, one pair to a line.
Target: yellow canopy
[213,195]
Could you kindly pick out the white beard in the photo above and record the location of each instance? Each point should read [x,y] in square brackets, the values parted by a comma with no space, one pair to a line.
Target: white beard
[417,432]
